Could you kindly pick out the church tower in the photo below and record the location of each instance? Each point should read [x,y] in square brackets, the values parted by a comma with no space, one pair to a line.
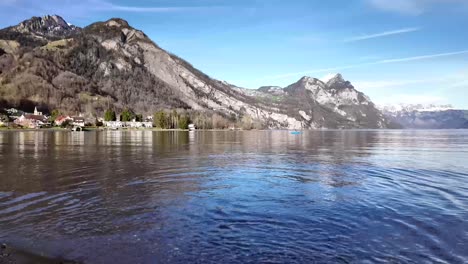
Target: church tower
[37,112]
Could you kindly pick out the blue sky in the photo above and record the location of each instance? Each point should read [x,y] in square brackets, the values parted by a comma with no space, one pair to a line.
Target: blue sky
[396,51]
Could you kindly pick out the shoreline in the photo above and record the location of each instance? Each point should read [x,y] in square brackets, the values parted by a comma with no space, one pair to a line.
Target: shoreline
[89,129]
[101,129]
[11,254]
[86,129]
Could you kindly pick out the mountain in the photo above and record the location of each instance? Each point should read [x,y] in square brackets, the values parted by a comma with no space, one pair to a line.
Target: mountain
[426,116]
[400,108]
[39,30]
[49,63]
[332,104]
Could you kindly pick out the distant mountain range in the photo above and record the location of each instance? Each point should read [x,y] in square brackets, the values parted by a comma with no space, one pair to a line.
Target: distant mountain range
[426,116]
[47,62]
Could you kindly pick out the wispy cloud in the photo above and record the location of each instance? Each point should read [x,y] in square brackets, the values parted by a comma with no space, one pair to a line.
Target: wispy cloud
[72,8]
[442,89]
[411,99]
[108,6]
[409,7]
[383,34]
[369,58]
[382,84]
[323,70]
[425,57]
[360,65]
[391,83]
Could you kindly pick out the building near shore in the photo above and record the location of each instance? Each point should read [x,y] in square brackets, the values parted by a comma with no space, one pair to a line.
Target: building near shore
[14,113]
[132,124]
[32,121]
[78,121]
[4,120]
[37,112]
[62,119]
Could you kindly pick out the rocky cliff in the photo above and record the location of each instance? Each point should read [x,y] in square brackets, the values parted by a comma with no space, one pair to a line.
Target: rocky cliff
[47,62]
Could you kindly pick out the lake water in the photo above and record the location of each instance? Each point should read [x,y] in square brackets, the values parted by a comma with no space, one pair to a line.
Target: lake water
[237,197]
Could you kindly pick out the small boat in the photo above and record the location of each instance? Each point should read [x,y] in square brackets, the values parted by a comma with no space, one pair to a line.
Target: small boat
[296,132]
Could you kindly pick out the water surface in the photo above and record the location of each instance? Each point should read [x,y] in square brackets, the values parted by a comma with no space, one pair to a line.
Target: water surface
[237,197]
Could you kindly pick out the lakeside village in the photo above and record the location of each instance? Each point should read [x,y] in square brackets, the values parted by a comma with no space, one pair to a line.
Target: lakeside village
[18,119]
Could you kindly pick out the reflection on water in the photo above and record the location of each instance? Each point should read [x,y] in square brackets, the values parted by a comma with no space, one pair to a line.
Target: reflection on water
[259,196]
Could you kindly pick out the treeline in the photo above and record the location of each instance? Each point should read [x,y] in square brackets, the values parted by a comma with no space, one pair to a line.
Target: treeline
[207,120]
[215,120]
[181,118]
[171,120]
[126,116]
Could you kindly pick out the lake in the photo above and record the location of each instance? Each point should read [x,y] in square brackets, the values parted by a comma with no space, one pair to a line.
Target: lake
[365,196]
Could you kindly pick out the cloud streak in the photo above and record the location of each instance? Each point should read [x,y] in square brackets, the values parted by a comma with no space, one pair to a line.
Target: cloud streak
[73,8]
[411,99]
[383,34]
[406,7]
[108,6]
[425,57]
[360,65]
[380,84]
[409,7]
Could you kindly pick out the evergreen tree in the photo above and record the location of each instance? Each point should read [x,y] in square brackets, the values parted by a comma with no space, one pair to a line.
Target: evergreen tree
[126,116]
[175,119]
[54,114]
[139,118]
[183,122]
[110,116]
[160,120]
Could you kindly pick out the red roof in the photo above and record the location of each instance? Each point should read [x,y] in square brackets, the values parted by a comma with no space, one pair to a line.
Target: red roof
[61,117]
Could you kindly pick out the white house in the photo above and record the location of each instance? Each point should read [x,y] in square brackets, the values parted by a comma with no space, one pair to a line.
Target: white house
[78,121]
[113,124]
[132,124]
[31,121]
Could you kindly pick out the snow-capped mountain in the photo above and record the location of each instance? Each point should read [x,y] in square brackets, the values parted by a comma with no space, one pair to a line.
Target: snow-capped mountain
[430,116]
[50,25]
[40,30]
[398,108]
[328,77]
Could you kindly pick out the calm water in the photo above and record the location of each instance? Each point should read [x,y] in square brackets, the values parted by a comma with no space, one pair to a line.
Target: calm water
[237,197]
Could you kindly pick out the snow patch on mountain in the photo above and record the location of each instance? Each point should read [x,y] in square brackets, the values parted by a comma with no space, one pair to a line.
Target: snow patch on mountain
[328,77]
[406,108]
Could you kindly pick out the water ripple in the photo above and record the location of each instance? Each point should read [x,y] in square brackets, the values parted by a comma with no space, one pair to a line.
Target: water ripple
[238,197]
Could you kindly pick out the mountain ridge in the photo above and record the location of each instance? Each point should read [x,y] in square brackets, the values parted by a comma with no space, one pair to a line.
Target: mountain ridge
[110,64]
[429,116]
[38,31]
[395,108]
